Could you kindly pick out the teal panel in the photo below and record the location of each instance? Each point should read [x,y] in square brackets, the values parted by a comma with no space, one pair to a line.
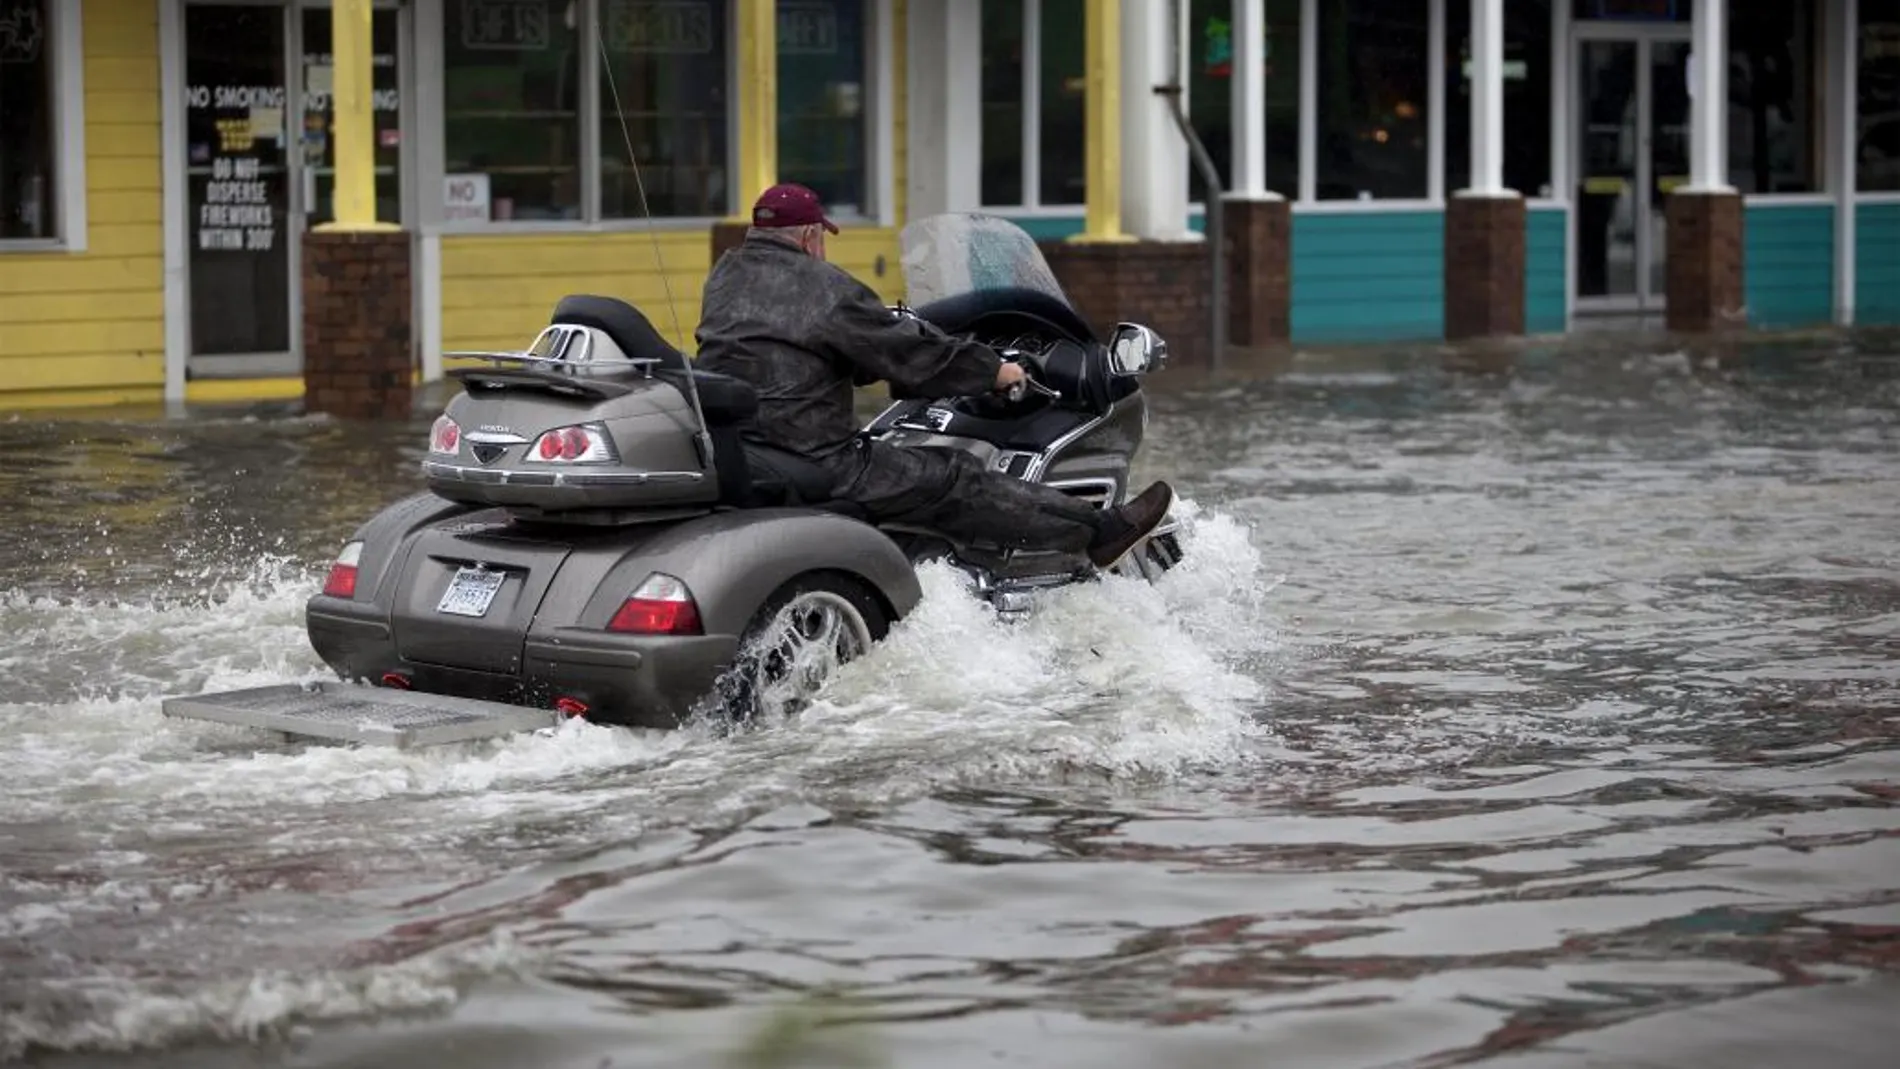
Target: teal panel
[1546,238]
[1379,275]
[1368,276]
[1877,264]
[1788,264]
[1049,227]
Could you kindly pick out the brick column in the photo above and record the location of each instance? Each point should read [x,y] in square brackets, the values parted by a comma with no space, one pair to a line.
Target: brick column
[1259,275]
[1162,284]
[1484,266]
[358,351]
[1704,261]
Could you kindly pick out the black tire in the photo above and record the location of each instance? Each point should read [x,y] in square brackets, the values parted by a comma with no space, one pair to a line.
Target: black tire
[739,697]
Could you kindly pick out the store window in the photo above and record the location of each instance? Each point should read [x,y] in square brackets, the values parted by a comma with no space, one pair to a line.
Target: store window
[1374,85]
[823,106]
[1210,91]
[1527,96]
[29,182]
[512,98]
[1062,118]
[1043,88]
[1774,136]
[516,110]
[663,89]
[1877,140]
[1005,70]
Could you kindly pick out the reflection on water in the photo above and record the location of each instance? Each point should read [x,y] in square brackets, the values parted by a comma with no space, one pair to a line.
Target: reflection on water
[1533,714]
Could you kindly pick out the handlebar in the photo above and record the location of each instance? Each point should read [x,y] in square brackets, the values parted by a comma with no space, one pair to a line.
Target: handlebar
[1020,389]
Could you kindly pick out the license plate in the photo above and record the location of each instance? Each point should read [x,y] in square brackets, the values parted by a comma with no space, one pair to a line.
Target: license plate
[470,592]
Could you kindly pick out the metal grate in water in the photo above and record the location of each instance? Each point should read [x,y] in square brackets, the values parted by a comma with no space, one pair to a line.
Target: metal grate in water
[344,712]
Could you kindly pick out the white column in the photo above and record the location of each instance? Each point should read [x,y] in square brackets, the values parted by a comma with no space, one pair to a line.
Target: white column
[1843,61]
[1487,97]
[1708,99]
[1154,154]
[177,225]
[1249,178]
[945,126]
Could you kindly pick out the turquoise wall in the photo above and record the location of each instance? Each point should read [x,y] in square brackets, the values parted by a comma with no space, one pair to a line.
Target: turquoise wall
[1877,264]
[1788,264]
[1379,276]
[1546,237]
[1368,276]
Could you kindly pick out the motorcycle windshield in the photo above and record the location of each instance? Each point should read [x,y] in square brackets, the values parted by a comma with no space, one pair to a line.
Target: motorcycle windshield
[959,253]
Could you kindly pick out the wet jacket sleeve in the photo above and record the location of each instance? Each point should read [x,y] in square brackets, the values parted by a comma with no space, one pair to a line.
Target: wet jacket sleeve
[916,358]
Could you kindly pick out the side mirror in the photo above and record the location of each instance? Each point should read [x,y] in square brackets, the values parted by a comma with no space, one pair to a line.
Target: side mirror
[1135,350]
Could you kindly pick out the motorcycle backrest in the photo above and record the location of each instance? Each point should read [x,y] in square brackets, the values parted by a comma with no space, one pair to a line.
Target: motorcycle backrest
[599,330]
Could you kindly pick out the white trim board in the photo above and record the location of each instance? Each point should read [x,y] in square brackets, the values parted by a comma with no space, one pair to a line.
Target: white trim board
[882,109]
[171,155]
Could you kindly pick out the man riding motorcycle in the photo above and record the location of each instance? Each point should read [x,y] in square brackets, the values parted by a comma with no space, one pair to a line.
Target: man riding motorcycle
[804,332]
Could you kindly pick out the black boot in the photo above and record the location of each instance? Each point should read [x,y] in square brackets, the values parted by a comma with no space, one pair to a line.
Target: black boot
[1125,527]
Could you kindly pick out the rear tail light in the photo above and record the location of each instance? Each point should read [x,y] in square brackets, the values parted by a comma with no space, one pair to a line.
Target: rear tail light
[341,582]
[661,606]
[445,438]
[584,444]
[568,706]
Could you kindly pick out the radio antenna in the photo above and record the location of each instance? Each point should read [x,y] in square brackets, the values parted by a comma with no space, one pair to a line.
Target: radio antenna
[704,438]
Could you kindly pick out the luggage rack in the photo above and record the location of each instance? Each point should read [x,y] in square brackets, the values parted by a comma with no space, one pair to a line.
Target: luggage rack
[565,346]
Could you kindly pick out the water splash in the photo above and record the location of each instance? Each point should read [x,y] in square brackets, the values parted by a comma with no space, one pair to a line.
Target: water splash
[168,826]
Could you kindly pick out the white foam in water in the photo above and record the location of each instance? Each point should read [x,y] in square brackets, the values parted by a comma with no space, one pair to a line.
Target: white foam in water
[1118,680]
[117,1015]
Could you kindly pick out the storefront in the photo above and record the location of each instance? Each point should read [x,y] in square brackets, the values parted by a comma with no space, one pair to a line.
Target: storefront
[168,166]
[1363,123]
[167,163]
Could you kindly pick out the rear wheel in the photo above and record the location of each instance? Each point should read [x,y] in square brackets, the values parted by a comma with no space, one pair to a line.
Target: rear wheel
[797,641]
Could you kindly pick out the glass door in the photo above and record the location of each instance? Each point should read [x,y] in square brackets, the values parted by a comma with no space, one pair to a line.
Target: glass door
[1609,173]
[238,186]
[1632,108]
[1668,112]
[260,169]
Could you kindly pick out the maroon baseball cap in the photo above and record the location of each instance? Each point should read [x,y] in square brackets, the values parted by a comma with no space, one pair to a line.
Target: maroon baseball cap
[790,204]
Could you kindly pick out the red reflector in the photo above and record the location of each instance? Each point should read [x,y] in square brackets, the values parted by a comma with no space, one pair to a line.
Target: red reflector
[650,616]
[570,706]
[341,582]
[396,680]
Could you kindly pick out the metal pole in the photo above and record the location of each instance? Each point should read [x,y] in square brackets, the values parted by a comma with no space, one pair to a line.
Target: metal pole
[1217,251]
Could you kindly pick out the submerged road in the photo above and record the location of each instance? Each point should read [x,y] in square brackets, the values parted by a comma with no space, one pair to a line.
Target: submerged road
[1548,716]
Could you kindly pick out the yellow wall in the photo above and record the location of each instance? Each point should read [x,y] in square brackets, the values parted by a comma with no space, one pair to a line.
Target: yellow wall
[498,290]
[89,328]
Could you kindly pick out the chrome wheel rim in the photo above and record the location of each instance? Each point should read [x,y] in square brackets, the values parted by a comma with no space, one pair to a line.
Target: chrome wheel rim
[802,646]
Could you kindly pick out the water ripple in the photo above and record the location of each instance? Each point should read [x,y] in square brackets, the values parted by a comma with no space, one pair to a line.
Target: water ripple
[1537,712]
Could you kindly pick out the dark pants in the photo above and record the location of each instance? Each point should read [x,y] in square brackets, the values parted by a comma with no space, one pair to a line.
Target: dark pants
[950,491]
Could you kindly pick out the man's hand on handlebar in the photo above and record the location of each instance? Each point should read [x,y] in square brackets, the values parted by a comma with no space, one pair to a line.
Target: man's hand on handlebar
[1009,376]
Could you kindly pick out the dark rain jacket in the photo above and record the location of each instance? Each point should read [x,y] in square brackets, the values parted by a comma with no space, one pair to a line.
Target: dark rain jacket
[804,332]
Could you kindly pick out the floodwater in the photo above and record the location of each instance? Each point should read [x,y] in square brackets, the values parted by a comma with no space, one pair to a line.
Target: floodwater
[1547,715]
